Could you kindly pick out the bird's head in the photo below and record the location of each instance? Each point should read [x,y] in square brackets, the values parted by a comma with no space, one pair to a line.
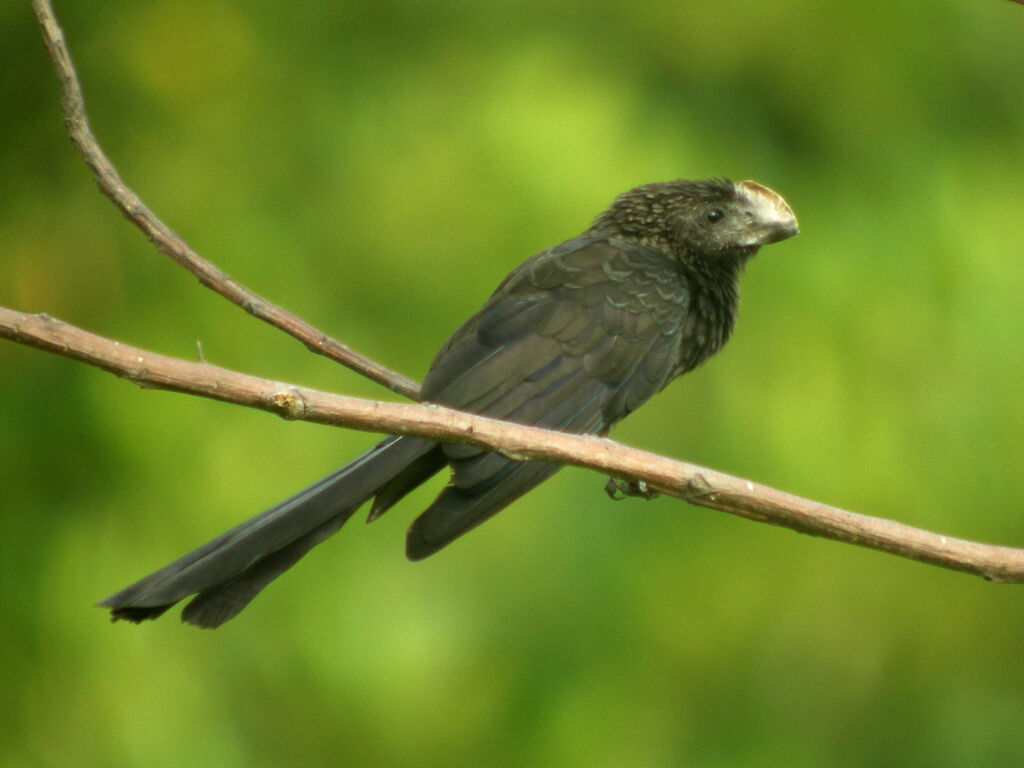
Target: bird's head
[705,217]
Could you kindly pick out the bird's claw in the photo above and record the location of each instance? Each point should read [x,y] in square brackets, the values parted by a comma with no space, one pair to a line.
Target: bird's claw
[619,488]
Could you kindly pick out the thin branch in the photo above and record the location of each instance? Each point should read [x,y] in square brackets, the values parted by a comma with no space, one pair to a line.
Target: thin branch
[168,243]
[690,482]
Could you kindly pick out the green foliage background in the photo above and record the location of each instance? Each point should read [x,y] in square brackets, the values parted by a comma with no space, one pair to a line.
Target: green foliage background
[378,167]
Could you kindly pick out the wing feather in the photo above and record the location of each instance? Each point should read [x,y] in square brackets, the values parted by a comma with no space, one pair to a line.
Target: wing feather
[574,339]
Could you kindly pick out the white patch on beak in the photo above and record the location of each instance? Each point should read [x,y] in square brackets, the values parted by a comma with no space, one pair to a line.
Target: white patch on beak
[770,217]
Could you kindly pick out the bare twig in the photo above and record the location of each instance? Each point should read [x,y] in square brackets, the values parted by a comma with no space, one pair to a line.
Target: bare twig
[693,483]
[170,244]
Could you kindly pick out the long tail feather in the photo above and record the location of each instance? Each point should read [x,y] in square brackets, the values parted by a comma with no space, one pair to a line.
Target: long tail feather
[227,572]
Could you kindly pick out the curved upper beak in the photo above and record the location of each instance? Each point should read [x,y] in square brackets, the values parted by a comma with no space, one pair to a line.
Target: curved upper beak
[770,219]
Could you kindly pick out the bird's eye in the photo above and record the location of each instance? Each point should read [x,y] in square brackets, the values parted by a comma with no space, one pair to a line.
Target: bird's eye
[714,216]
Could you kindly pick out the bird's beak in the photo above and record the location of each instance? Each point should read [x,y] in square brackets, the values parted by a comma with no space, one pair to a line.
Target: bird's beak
[770,219]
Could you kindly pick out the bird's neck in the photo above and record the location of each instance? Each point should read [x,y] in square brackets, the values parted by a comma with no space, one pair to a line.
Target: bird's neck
[714,302]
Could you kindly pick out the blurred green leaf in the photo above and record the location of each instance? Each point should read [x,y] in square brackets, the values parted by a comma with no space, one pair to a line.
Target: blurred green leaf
[378,168]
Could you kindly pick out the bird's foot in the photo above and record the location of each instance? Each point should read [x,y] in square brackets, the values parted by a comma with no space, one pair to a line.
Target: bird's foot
[619,488]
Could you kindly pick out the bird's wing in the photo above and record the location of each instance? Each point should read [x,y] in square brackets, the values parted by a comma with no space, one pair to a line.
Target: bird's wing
[574,339]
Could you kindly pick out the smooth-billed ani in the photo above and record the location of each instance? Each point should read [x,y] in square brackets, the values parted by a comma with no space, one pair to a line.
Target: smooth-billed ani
[575,338]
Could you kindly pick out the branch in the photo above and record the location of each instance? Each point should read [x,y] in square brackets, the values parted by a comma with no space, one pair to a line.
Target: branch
[168,243]
[690,482]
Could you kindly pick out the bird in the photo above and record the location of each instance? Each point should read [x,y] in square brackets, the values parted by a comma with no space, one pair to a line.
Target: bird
[573,339]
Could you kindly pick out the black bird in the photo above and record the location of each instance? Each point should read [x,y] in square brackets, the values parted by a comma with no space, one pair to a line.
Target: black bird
[575,338]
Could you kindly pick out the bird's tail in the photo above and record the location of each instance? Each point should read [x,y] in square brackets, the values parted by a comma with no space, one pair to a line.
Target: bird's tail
[229,571]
